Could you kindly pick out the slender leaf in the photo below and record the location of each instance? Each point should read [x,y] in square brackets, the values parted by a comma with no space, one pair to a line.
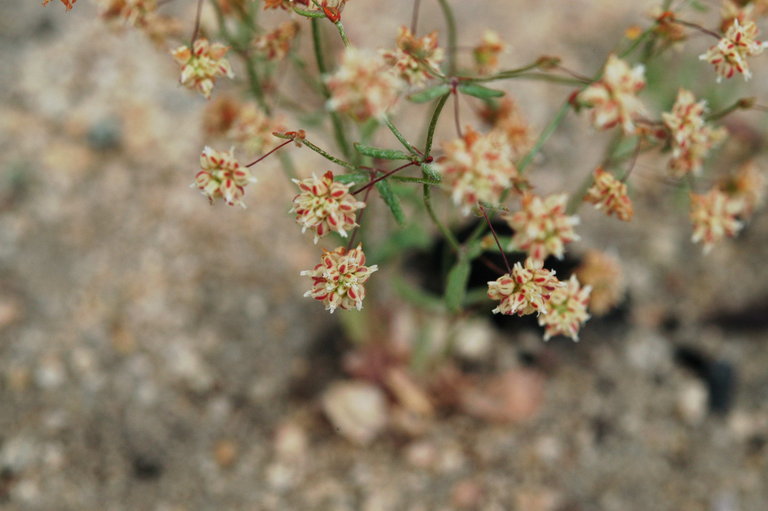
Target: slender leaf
[385,190]
[430,172]
[383,154]
[351,178]
[430,93]
[478,91]
[456,285]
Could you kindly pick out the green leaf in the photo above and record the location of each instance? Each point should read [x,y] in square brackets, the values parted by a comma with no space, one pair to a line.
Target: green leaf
[409,237]
[456,285]
[383,154]
[430,172]
[391,200]
[430,93]
[478,91]
[308,14]
[351,178]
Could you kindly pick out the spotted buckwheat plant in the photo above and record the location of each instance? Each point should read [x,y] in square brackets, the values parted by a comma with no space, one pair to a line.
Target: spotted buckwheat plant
[526,290]
[275,45]
[252,128]
[613,99]
[714,216]
[338,280]
[610,195]
[567,310]
[729,55]
[416,59]
[202,65]
[691,136]
[222,176]
[364,86]
[542,227]
[487,52]
[477,167]
[325,205]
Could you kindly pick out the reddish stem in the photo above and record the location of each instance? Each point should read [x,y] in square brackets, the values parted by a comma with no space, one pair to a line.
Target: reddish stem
[382,177]
[496,238]
[272,151]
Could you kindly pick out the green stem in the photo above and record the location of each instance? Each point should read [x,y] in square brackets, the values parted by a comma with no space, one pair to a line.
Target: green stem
[740,104]
[328,156]
[503,75]
[343,34]
[450,22]
[338,126]
[548,131]
[433,124]
[443,229]
[399,136]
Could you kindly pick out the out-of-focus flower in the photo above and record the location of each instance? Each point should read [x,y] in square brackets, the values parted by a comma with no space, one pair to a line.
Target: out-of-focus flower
[67,3]
[477,167]
[201,66]
[603,273]
[131,12]
[731,11]
[220,115]
[222,176]
[746,188]
[541,226]
[714,216]
[666,26]
[505,116]
[526,290]
[338,281]
[610,194]
[691,136]
[364,86]
[279,4]
[567,310]
[276,44]
[613,98]
[487,52]
[416,58]
[325,205]
[253,128]
[729,55]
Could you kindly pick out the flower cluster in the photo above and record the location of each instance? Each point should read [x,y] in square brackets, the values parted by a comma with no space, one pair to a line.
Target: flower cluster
[325,205]
[202,65]
[275,45]
[222,176]
[691,136]
[602,272]
[714,216]
[505,117]
[542,227]
[477,168]
[526,290]
[729,55]
[253,128]
[415,59]
[610,194]
[746,188]
[67,3]
[613,98]
[487,53]
[338,279]
[567,310]
[363,87]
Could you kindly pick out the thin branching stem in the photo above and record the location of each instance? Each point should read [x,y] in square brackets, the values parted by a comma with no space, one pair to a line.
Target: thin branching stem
[450,22]
[495,238]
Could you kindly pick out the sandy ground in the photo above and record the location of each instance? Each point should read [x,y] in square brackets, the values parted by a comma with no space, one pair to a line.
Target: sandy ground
[151,346]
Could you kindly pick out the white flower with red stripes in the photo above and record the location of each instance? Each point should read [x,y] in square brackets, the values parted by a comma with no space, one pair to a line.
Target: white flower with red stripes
[338,281]
[729,55]
[526,290]
[202,65]
[222,176]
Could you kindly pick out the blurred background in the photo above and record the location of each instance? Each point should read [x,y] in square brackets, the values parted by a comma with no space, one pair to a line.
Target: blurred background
[156,352]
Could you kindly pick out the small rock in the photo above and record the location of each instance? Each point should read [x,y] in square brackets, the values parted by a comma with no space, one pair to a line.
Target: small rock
[467,494]
[225,453]
[421,455]
[508,397]
[692,402]
[408,393]
[473,340]
[290,441]
[357,410]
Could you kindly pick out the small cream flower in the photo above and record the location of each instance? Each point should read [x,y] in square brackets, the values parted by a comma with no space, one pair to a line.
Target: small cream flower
[714,216]
[222,176]
[729,55]
[203,65]
[325,205]
[613,98]
[541,227]
[487,53]
[338,280]
[610,194]
[527,290]
[477,168]
[506,117]
[364,87]
[567,310]
[692,137]
[275,45]
[415,59]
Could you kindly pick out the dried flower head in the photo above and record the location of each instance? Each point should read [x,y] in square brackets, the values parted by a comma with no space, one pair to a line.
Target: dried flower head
[67,3]
[338,280]
[415,59]
[729,55]
[325,205]
[222,176]
[487,52]
[541,226]
[610,194]
[714,215]
[363,87]
[253,129]
[613,98]
[220,115]
[746,188]
[602,272]
[666,26]
[201,66]
[477,167]
[567,310]
[691,136]
[505,116]
[276,44]
[135,13]
[526,290]
[731,11]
